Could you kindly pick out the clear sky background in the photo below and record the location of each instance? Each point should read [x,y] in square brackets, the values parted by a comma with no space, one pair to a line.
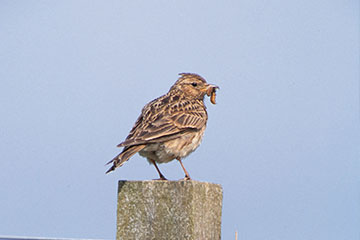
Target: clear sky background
[283,140]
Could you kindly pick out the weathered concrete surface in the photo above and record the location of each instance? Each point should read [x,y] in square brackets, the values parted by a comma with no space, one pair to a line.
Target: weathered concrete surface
[169,210]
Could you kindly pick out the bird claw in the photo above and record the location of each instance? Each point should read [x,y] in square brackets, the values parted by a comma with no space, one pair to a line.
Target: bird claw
[186,178]
[161,178]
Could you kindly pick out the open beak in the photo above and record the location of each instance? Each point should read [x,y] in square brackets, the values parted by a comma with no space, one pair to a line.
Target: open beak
[211,92]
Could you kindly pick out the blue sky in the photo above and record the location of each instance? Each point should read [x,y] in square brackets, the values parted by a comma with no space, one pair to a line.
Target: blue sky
[283,140]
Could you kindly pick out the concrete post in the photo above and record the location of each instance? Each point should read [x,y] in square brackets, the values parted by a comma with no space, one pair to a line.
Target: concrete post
[169,210]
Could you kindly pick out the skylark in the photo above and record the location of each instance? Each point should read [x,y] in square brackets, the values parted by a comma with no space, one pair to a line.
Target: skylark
[171,126]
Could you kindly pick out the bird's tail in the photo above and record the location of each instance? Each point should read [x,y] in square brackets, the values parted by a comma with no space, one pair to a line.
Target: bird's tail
[120,159]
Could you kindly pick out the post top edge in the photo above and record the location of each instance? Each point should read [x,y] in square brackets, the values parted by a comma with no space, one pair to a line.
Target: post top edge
[166,182]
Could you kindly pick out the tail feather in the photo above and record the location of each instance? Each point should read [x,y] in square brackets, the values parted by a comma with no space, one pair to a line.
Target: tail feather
[120,159]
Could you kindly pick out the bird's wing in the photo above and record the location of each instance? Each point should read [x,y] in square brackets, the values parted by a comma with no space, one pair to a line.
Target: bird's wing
[161,123]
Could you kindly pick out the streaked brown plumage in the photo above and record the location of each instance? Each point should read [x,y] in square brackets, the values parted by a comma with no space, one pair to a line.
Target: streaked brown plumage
[171,126]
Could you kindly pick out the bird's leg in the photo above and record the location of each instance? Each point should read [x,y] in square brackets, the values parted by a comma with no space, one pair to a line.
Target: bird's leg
[158,170]
[187,176]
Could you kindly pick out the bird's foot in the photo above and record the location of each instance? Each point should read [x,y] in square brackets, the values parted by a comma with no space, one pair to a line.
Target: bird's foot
[186,178]
[161,178]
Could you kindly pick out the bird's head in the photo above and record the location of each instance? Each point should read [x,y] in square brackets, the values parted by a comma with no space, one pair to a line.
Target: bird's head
[194,86]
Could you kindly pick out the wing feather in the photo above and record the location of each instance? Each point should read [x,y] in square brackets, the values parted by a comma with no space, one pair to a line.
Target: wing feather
[160,122]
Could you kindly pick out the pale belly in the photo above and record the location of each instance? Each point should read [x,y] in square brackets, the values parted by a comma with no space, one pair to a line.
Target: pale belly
[169,150]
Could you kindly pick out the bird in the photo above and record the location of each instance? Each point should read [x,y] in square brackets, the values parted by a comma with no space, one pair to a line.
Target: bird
[171,126]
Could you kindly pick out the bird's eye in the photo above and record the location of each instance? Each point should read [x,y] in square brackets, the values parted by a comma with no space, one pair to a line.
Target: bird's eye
[194,84]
